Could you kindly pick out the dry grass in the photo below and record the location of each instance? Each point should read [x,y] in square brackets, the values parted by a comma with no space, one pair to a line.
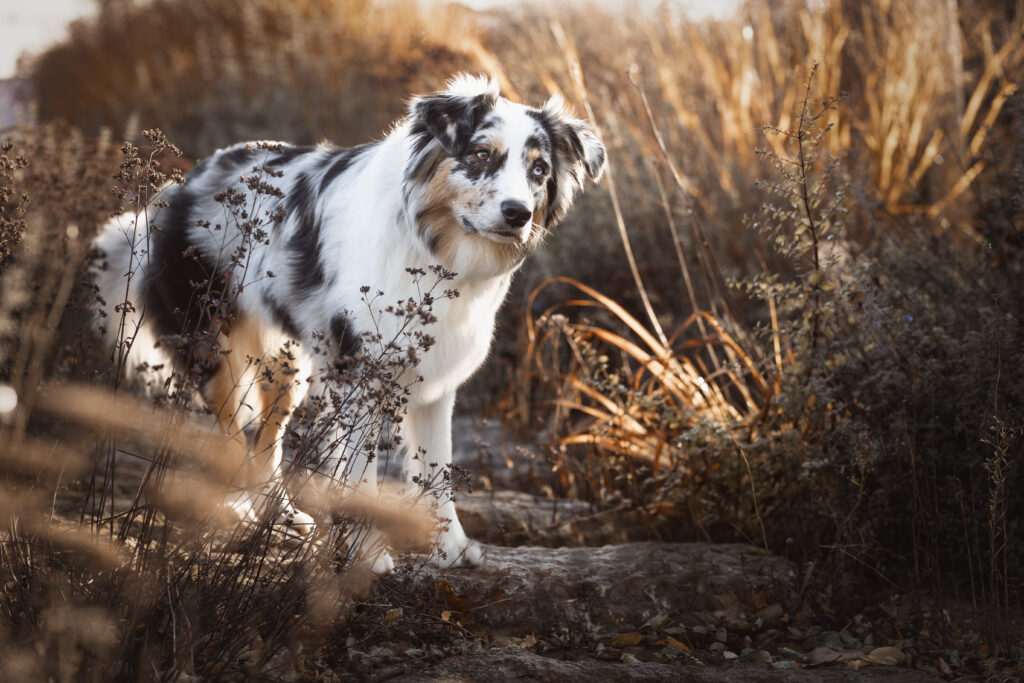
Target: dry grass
[630,398]
[204,72]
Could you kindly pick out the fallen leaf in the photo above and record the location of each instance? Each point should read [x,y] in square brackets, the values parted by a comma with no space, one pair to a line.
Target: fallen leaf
[770,613]
[885,656]
[446,616]
[627,639]
[679,645]
[943,667]
[655,622]
[727,601]
[392,616]
[446,595]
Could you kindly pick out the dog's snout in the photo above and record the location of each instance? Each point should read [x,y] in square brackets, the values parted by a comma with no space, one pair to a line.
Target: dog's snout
[516,214]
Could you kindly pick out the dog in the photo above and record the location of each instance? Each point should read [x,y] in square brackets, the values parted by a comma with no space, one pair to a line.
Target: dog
[469,182]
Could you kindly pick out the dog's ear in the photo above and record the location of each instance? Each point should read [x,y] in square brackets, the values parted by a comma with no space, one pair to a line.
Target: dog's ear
[578,142]
[452,116]
[579,154]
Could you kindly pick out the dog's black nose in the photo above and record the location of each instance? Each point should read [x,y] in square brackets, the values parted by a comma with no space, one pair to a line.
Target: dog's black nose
[516,214]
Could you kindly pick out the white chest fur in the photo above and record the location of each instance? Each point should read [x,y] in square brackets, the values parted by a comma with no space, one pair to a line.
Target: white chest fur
[463,332]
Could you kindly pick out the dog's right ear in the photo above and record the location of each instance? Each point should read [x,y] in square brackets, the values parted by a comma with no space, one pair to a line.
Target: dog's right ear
[453,115]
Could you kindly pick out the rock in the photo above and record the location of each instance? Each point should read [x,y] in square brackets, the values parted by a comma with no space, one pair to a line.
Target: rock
[617,587]
[504,664]
[515,518]
[509,663]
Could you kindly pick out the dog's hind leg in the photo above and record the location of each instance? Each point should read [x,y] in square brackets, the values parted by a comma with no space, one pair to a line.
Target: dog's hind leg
[278,397]
[246,394]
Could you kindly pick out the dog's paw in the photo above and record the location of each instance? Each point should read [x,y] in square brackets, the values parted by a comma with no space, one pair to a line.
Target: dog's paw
[372,552]
[383,563]
[454,548]
[294,522]
[240,506]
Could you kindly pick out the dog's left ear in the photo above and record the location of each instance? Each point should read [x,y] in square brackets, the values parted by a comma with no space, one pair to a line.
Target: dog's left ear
[452,116]
[583,144]
[579,154]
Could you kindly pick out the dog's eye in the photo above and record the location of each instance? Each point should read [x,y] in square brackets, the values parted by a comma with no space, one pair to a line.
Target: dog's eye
[539,170]
[482,154]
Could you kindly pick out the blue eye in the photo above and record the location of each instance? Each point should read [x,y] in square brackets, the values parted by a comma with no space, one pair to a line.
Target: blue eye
[539,170]
[482,154]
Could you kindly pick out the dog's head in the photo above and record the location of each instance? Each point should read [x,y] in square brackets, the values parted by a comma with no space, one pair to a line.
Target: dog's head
[487,177]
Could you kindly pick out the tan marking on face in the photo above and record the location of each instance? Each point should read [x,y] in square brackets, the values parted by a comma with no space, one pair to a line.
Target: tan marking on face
[444,229]
[537,229]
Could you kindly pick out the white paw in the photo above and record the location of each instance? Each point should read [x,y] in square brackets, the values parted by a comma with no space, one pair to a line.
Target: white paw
[373,552]
[454,548]
[240,506]
[291,521]
[294,522]
[383,563]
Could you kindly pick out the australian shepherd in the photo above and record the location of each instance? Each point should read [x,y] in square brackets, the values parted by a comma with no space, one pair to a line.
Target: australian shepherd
[469,181]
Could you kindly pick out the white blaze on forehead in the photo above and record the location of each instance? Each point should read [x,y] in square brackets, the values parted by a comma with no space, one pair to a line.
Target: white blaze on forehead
[515,129]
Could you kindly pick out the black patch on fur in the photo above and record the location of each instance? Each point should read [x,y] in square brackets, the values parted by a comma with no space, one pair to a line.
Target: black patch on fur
[567,142]
[549,125]
[433,242]
[551,128]
[425,167]
[236,157]
[452,119]
[339,162]
[179,274]
[289,154]
[345,341]
[474,169]
[551,215]
[199,169]
[541,142]
[420,137]
[488,123]
[307,269]
[281,317]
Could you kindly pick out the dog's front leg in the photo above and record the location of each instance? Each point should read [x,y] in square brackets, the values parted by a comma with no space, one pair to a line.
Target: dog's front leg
[342,436]
[428,433]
